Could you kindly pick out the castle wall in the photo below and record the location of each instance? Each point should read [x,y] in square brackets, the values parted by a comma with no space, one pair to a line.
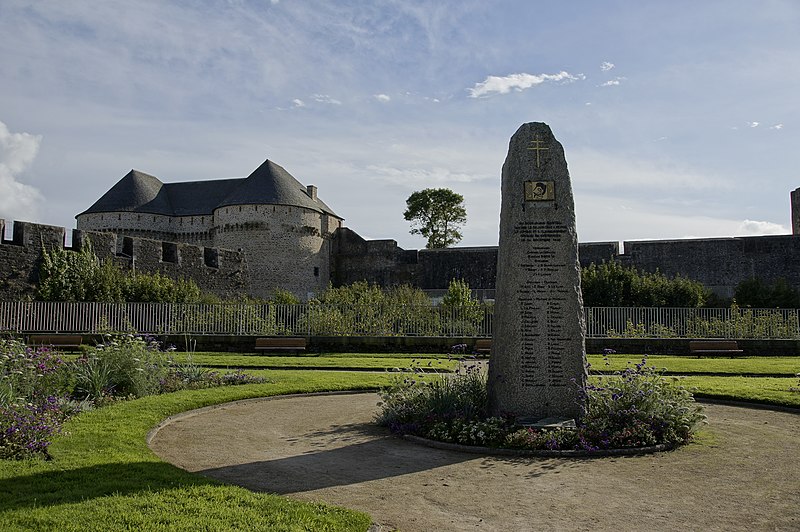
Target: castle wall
[197,230]
[21,257]
[287,247]
[384,263]
[718,263]
[218,271]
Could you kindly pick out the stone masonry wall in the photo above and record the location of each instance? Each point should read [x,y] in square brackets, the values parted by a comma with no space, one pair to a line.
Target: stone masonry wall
[218,271]
[287,247]
[718,263]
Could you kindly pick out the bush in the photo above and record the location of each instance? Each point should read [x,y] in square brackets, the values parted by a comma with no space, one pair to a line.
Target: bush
[80,276]
[123,366]
[639,407]
[756,293]
[34,384]
[611,284]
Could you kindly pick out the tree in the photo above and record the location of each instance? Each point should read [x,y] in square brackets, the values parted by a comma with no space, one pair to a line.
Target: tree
[437,214]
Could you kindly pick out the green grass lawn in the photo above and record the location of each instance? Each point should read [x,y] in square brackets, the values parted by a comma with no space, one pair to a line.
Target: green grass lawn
[788,366]
[104,477]
[367,361]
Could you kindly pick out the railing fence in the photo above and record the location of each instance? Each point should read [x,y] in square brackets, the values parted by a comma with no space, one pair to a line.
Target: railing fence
[363,320]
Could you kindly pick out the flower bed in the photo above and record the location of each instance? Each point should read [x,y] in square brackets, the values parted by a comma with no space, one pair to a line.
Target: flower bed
[39,390]
[631,409]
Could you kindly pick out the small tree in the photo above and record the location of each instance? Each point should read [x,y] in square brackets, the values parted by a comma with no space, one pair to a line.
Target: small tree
[437,214]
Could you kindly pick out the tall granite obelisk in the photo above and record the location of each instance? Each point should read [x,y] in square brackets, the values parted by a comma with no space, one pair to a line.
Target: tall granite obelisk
[538,356]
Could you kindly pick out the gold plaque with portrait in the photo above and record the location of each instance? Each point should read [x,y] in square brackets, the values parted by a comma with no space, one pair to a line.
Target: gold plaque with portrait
[539,191]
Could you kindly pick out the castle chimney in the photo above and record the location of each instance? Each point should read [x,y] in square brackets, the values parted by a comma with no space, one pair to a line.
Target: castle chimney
[312,192]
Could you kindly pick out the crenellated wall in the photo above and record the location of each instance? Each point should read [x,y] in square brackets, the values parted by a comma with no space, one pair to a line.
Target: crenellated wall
[219,271]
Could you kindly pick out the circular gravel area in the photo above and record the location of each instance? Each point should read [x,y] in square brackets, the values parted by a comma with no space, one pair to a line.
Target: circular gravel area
[745,475]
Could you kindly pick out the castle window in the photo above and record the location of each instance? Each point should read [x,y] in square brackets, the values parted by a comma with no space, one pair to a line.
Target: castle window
[316,271]
[119,217]
[240,208]
[138,217]
[211,257]
[169,252]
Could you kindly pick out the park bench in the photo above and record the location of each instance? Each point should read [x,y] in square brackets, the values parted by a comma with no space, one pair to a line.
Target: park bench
[483,346]
[56,340]
[280,344]
[714,348]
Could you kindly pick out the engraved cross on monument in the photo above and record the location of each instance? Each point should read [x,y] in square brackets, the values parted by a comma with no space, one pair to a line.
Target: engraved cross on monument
[538,345]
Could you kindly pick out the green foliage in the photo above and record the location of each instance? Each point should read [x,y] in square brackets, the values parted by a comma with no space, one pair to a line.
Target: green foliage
[79,276]
[466,312]
[367,309]
[33,387]
[284,297]
[123,366]
[416,404]
[756,293]
[611,284]
[437,214]
[639,407]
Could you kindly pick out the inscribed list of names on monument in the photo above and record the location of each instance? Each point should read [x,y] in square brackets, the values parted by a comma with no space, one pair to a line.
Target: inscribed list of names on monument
[538,347]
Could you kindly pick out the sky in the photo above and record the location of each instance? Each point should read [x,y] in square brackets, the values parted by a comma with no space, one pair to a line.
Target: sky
[678,119]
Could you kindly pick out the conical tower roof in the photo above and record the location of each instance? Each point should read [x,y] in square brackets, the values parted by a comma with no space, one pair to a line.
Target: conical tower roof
[136,191]
[271,184]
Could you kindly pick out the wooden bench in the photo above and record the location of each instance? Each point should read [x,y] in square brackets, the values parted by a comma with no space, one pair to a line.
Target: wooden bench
[483,346]
[56,340]
[280,344]
[714,348]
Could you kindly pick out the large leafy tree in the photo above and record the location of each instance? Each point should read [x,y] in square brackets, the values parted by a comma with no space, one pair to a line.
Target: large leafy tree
[437,214]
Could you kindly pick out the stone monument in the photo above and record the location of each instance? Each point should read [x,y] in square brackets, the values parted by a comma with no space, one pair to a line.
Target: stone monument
[538,356]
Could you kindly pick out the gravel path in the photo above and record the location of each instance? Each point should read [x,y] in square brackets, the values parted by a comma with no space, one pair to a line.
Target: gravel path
[324,448]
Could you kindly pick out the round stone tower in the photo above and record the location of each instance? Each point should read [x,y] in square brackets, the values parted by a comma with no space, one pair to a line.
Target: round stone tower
[283,228]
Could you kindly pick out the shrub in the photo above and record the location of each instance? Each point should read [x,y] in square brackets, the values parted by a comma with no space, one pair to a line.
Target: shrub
[611,284]
[425,399]
[33,387]
[125,365]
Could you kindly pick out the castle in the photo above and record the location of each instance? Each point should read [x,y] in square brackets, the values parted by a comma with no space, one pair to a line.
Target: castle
[283,229]
[266,231]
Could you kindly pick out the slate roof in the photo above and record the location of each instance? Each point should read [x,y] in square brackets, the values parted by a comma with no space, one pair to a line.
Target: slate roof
[269,184]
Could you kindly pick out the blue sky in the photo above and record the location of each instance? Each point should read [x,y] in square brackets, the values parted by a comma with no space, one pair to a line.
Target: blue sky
[678,119]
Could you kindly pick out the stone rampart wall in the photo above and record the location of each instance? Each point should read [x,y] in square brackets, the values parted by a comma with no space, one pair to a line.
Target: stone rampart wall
[218,271]
[718,263]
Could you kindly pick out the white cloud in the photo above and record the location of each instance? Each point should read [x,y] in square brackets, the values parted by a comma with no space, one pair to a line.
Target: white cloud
[606,66]
[382,97]
[777,126]
[753,124]
[518,82]
[612,82]
[755,227]
[297,102]
[17,152]
[324,98]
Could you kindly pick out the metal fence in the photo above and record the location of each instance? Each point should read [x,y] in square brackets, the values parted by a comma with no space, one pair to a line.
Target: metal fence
[364,320]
